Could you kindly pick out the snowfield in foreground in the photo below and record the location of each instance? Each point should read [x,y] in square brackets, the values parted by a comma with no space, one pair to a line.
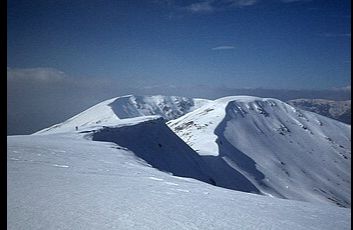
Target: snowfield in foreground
[64,181]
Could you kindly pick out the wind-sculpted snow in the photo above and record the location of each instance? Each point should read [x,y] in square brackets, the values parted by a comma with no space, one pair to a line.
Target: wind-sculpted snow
[113,111]
[281,151]
[65,181]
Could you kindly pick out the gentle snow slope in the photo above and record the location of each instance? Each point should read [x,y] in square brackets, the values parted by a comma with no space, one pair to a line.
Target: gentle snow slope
[266,146]
[63,181]
[112,111]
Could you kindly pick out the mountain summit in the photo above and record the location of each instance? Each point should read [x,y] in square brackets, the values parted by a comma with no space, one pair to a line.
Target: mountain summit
[113,111]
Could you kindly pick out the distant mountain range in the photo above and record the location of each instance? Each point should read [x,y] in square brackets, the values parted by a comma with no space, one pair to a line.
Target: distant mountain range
[338,110]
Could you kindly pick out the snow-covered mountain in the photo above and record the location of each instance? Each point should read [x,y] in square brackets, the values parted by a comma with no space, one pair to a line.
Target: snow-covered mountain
[338,110]
[266,146]
[126,168]
[112,111]
[65,181]
[250,144]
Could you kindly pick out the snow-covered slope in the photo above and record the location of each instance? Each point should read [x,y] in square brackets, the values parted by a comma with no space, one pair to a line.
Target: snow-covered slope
[152,141]
[112,111]
[64,181]
[266,146]
[339,110]
[249,144]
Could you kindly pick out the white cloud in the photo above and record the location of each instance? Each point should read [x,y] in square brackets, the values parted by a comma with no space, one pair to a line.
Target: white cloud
[40,74]
[223,48]
[200,7]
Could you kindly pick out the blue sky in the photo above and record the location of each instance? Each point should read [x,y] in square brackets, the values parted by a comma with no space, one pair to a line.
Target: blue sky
[279,44]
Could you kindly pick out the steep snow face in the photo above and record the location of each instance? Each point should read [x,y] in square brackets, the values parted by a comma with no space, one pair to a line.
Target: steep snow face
[112,111]
[63,181]
[339,110]
[266,146]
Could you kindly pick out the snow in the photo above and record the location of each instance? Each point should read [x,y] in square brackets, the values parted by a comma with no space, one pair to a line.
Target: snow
[126,168]
[156,144]
[266,146]
[114,110]
[105,187]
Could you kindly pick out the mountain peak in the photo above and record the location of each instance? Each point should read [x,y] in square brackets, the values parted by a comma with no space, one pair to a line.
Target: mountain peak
[115,110]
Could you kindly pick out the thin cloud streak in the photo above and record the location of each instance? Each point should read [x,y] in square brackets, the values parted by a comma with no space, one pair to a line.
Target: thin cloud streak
[39,74]
[223,48]
[336,35]
[210,6]
[239,3]
[207,6]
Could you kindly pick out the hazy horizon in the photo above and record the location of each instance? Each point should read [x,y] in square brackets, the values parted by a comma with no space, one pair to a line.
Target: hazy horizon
[43,105]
